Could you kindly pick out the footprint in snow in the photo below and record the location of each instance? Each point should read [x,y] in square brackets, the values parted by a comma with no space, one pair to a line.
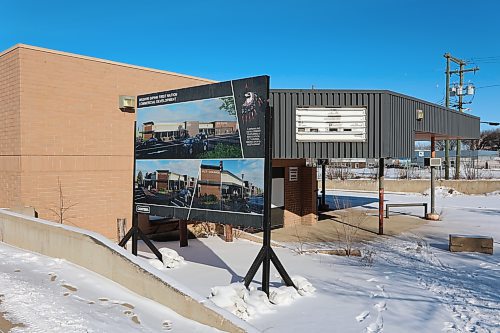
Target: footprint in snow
[167,325]
[362,316]
[53,276]
[377,326]
[381,306]
[135,319]
[69,287]
[449,326]
[127,305]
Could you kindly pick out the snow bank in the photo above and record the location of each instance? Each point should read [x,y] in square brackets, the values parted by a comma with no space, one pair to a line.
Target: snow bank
[240,301]
[493,193]
[246,304]
[304,287]
[444,192]
[171,259]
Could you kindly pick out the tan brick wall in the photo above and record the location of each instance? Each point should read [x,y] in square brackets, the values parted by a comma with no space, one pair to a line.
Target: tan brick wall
[71,129]
[10,144]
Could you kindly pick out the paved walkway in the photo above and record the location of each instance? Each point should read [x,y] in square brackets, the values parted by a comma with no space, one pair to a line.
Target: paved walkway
[338,225]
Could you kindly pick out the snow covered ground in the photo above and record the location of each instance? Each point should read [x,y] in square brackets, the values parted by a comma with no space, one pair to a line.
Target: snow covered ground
[44,294]
[412,173]
[409,283]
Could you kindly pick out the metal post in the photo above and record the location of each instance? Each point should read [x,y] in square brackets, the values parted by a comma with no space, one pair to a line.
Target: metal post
[221,169]
[266,253]
[266,264]
[135,227]
[135,222]
[323,184]
[323,206]
[381,196]
[433,177]
[460,108]
[447,105]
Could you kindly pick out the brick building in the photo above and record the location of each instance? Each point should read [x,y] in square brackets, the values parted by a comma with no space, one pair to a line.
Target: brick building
[210,181]
[61,123]
[170,131]
[62,132]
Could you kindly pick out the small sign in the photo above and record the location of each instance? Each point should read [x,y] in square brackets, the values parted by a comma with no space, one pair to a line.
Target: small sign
[320,124]
[142,209]
[293,174]
[433,162]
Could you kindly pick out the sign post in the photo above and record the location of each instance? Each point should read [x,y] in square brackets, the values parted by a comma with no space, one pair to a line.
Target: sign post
[204,154]
[135,232]
[266,253]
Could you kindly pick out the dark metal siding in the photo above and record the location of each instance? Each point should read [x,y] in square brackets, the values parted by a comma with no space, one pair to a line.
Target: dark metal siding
[284,103]
[400,124]
[391,123]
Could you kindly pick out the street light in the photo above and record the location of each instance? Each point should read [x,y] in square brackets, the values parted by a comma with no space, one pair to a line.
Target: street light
[491,123]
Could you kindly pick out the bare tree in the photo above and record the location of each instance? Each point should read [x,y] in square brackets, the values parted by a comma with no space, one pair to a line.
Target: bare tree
[441,145]
[351,222]
[488,140]
[338,171]
[62,207]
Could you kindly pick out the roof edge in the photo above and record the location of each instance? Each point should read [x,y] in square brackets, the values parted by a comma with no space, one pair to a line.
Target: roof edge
[110,62]
[374,91]
[378,91]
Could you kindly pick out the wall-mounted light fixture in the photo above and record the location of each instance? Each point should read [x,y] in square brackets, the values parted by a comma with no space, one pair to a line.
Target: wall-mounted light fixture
[420,115]
[126,103]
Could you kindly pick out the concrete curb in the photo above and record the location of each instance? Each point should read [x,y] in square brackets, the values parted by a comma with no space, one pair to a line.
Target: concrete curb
[98,254]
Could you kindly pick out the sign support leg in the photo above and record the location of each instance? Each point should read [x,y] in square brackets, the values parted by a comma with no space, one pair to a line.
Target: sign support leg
[266,253]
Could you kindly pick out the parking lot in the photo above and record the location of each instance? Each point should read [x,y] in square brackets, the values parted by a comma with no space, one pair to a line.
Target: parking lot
[184,148]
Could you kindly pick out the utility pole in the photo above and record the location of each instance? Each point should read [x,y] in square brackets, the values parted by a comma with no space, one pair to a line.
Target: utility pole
[447,105]
[460,93]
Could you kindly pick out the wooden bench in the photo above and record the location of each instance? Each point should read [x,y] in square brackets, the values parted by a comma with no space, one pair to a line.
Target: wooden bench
[387,206]
[471,243]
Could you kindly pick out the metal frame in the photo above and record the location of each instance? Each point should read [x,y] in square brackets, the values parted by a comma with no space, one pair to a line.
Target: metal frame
[135,232]
[266,253]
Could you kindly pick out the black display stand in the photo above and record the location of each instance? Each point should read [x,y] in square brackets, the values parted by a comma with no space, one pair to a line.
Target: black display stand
[266,254]
[135,232]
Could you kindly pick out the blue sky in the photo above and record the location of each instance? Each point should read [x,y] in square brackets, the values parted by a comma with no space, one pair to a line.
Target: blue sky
[202,110]
[183,167]
[365,44]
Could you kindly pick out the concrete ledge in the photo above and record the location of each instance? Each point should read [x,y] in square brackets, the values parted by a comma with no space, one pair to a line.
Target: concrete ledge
[100,255]
[470,243]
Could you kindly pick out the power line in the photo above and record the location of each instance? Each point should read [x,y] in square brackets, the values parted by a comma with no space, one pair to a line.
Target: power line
[490,86]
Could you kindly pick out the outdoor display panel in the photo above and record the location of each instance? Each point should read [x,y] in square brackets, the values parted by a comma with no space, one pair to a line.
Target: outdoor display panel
[199,152]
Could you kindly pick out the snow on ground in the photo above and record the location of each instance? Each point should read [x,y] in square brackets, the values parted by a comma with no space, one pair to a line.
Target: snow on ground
[413,173]
[52,295]
[409,283]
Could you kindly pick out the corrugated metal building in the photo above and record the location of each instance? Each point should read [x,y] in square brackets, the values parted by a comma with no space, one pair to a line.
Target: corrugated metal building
[391,119]
[382,124]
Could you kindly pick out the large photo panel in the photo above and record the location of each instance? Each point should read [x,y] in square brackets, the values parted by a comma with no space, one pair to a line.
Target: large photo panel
[199,152]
